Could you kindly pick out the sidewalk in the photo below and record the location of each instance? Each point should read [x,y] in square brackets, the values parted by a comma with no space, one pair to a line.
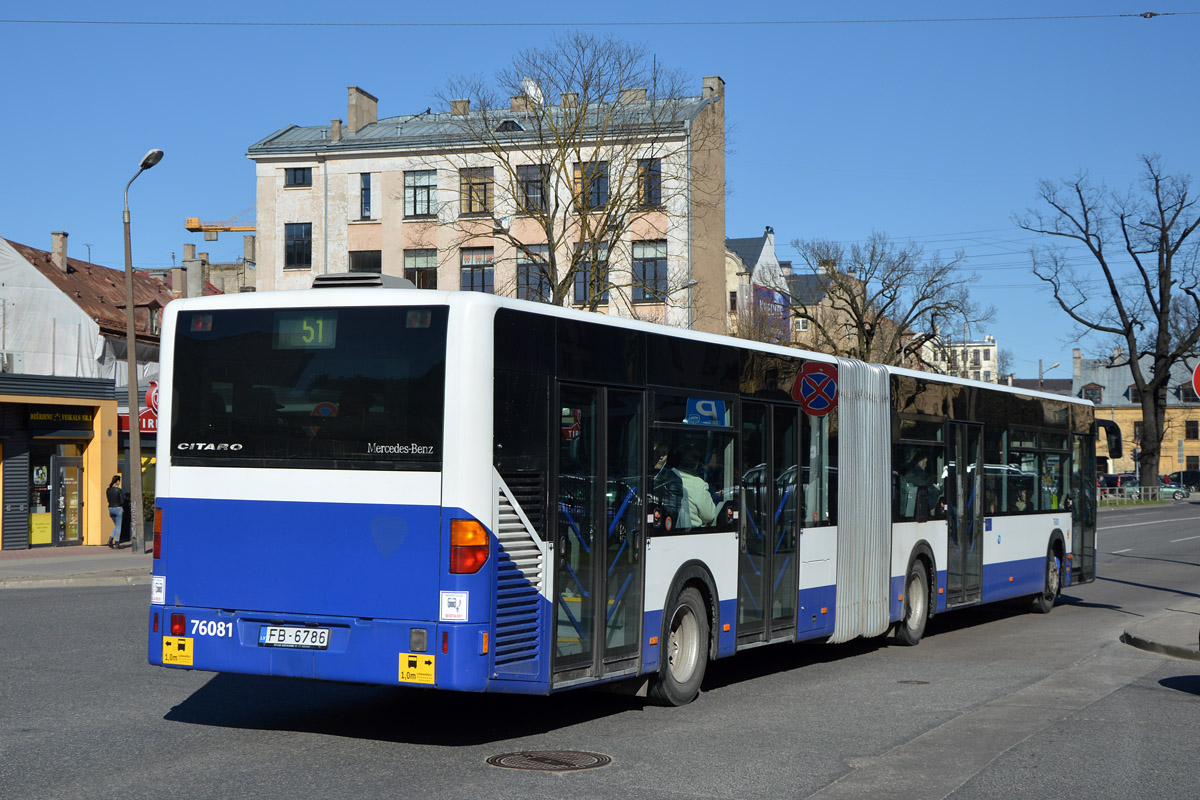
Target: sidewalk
[73,566]
[1175,631]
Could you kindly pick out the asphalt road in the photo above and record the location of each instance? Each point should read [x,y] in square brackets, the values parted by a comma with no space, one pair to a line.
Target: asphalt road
[995,702]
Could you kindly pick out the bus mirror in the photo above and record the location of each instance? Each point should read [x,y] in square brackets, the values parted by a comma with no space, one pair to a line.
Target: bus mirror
[1112,432]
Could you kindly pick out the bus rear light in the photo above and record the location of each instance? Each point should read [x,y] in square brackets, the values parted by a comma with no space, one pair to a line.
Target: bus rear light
[445,642]
[158,532]
[178,624]
[155,628]
[469,546]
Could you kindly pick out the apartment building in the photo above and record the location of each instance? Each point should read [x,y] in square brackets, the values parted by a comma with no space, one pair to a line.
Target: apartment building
[975,359]
[632,222]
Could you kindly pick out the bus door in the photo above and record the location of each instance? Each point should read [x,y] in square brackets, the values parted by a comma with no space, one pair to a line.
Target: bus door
[771,476]
[598,545]
[1083,509]
[963,491]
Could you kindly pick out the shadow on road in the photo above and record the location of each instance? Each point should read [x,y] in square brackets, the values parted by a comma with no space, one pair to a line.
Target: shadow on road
[1148,586]
[1182,683]
[388,714]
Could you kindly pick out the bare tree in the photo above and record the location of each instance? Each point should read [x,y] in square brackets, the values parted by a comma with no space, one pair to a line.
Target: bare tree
[585,143]
[879,301]
[1146,298]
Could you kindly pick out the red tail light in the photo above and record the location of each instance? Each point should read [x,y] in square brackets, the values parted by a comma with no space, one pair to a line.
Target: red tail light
[158,533]
[469,546]
[178,624]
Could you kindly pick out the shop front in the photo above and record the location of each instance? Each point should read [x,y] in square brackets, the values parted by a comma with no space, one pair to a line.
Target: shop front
[58,452]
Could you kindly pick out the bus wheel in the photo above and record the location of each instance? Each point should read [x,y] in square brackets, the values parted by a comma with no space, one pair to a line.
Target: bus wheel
[1042,603]
[916,605]
[684,652]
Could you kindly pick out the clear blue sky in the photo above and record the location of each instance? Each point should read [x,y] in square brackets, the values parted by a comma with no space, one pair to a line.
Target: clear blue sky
[936,131]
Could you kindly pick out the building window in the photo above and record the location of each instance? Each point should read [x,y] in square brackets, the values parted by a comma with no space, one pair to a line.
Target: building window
[987,376]
[591,185]
[366,261]
[476,272]
[476,186]
[420,267]
[1134,393]
[1193,462]
[733,302]
[1187,394]
[420,193]
[650,182]
[987,354]
[297,245]
[975,359]
[533,279]
[591,274]
[1191,429]
[650,271]
[532,181]
[297,176]
[802,325]
[975,374]
[364,195]
[1093,392]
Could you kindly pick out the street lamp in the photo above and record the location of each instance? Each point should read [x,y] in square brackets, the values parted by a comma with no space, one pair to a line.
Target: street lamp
[1042,372]
[137,543]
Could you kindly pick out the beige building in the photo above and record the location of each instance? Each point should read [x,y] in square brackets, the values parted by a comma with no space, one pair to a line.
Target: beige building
[977,360]
[454,200]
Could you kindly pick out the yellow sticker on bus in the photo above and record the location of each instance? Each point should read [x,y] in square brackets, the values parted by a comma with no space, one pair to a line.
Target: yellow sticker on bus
[416,668]
[177,651]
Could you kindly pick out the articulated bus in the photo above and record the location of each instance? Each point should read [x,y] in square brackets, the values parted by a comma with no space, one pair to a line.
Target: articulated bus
[460,491]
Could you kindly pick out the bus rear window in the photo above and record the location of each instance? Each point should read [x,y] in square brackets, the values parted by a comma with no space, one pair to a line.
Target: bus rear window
[323,388]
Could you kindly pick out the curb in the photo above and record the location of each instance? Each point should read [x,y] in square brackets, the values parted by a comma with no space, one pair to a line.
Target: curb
[126,578]
[1176,651]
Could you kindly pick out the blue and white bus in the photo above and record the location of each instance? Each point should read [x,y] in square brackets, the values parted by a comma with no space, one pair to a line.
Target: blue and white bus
[461,491]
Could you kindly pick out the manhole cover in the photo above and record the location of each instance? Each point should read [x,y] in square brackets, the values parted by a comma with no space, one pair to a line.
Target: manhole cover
[550,760]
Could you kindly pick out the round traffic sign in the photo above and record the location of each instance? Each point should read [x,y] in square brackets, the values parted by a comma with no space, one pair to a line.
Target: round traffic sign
[815,388]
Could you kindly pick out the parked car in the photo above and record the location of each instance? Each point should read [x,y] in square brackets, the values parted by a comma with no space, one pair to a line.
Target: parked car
[1186,477]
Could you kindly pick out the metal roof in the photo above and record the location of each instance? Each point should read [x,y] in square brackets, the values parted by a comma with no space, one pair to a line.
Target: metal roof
[426,130]
[100,291]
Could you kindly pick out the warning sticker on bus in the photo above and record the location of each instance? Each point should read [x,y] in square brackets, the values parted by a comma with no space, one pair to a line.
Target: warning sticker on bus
[177,651]
[416,668]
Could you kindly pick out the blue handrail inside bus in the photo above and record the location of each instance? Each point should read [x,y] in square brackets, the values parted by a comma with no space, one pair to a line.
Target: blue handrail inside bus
[619,599]
[571,521]
[574,622]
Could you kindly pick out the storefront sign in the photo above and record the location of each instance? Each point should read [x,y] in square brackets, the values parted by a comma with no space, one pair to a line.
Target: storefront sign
[60,418]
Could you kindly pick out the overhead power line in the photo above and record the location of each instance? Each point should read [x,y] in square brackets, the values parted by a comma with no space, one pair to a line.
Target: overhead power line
[589,24]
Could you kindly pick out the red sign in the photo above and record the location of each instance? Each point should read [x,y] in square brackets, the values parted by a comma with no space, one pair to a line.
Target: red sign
[1196,379]
[148,421]
[152,397]
[815,388]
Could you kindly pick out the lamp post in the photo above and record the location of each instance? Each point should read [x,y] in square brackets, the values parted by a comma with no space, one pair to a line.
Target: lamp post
[1042,372]
[137,543]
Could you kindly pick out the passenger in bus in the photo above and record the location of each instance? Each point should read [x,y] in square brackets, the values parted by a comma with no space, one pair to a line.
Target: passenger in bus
[919,481]
[1022,501]
[699,511]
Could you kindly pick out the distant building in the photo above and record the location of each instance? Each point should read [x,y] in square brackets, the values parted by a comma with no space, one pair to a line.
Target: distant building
[416,196]
[975,359]
[1112,391]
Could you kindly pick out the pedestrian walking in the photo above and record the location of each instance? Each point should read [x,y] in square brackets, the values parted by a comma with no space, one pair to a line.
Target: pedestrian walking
[116,509]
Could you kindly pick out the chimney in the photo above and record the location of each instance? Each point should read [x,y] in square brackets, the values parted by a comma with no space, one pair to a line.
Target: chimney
[632,96]
[178,282]
[335,130]
[459,108]
[189,252]
[203,257]
[248,245]
[1077,363]
[518,103]
[363,109]
[570,100]
[712,86]
[58,249]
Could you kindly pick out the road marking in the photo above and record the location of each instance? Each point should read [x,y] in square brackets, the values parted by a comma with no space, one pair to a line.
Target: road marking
[1139,524]
[1126,550]
[1188,539]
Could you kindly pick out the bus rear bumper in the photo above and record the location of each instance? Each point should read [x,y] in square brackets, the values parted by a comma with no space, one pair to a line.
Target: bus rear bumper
[417,653]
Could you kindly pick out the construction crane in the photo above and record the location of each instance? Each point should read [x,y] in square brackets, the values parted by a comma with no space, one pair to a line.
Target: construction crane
[210,229]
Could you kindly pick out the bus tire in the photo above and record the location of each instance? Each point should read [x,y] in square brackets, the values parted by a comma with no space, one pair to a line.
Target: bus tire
[684,656]
[1044,602]
[911,627]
